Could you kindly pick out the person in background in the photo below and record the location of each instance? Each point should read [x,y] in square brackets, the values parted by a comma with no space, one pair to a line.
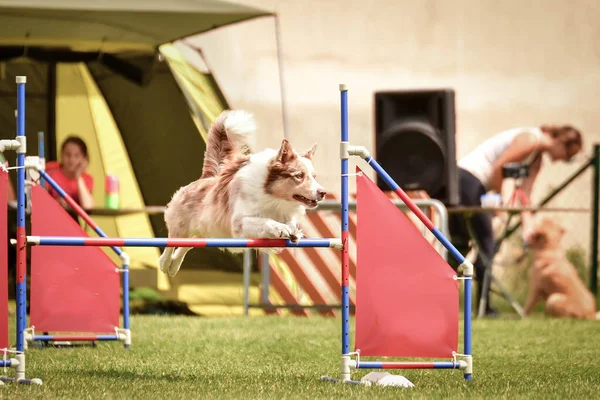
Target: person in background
[480,172]
[70,173]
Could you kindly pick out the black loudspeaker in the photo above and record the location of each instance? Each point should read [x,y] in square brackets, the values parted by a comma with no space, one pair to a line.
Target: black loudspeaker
[415,141]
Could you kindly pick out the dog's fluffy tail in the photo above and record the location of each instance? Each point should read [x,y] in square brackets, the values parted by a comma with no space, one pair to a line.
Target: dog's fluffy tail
[241,127]
[598,315]
[232,132]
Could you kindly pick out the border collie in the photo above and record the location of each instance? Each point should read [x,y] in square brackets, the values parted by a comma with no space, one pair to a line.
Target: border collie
[241,193]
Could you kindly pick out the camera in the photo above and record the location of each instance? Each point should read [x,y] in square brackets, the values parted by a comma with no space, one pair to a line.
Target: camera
[515,170]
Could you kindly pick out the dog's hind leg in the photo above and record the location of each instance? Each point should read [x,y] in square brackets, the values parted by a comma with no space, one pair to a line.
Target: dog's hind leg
[177,224]
[165,259]
[177,260]
[559,305]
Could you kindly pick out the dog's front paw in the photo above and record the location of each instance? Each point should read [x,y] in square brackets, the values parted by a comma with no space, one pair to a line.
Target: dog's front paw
[297,234]
[278,230]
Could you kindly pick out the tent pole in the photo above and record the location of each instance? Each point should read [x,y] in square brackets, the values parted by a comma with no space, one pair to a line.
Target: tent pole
[286,130]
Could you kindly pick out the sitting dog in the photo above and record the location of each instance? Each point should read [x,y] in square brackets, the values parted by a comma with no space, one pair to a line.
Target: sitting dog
[552,277]
[241,194]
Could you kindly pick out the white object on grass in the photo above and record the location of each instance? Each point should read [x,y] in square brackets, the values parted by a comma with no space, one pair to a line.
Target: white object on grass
[387,379]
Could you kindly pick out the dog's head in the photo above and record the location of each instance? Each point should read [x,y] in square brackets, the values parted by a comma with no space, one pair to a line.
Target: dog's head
[291,176]
[546,234]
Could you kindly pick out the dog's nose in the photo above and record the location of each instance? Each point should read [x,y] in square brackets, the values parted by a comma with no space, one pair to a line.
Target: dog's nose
[321,194]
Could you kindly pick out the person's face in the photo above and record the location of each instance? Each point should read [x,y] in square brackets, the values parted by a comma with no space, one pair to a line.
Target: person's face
[564,151]
[72,157]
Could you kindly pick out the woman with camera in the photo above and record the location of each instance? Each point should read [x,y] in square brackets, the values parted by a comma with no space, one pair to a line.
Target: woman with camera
[481,172]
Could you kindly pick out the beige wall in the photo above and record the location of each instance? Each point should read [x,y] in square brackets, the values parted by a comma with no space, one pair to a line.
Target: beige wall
[511,63]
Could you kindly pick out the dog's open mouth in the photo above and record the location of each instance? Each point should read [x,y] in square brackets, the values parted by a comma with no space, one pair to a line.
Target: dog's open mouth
[307,202]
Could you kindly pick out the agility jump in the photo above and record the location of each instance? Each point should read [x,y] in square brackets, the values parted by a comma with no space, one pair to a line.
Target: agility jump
[62,293]
[96,270]
[53,278]
[428,328]
[18,145]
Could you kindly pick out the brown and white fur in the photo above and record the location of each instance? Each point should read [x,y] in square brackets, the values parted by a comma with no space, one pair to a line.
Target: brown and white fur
[241,194]
[553,278]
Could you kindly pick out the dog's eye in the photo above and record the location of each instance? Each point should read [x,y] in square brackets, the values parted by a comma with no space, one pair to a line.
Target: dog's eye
[299,175]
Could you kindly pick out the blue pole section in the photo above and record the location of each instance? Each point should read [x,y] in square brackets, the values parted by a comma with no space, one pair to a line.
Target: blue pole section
[41,154]
[125,277]
[467,321]
[408,365]
[344,211]
[47,338]
[21,240]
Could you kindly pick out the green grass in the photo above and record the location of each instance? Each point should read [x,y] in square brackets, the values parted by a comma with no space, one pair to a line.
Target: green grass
[276,358]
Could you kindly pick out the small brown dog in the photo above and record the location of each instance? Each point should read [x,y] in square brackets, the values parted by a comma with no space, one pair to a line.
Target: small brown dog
[553,278]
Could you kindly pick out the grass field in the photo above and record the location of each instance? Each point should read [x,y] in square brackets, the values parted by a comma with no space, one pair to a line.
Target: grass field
[282,358]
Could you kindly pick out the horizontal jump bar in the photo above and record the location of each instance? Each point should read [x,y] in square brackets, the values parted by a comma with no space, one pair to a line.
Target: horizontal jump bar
[478,210]
[178,242]
[298,306]
[409,365]
[66,338]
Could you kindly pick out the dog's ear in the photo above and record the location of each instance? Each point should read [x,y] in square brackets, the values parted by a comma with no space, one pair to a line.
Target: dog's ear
[310,152]
[286,153]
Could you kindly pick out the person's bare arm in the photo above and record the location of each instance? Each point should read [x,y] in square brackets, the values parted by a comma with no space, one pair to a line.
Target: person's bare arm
[520,148]
[86,199]
[527,184]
